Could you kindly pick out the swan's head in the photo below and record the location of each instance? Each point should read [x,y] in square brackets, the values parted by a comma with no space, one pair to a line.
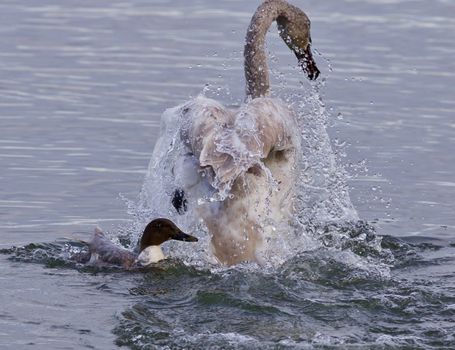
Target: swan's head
[295,32]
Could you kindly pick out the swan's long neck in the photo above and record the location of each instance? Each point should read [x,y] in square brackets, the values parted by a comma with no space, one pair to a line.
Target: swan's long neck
[256,68]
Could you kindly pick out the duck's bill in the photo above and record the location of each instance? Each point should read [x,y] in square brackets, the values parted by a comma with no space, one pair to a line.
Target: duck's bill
[182,236]
[307,62]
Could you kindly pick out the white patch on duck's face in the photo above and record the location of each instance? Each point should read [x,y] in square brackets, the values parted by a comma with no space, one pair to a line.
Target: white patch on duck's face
[149,255]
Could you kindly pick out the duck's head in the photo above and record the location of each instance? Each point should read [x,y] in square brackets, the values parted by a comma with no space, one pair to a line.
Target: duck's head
[155,233]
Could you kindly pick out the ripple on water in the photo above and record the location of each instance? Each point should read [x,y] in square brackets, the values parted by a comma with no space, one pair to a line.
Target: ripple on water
[326,298]
[75,70]
[315,300]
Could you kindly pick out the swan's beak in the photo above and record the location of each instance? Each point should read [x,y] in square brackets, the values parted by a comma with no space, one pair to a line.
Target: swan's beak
[307,62]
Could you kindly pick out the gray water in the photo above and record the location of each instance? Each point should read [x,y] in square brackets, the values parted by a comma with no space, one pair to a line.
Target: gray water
[82,88]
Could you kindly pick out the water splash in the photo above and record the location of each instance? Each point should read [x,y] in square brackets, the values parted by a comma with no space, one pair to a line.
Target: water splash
[324,195]
[314,299]
[321,199]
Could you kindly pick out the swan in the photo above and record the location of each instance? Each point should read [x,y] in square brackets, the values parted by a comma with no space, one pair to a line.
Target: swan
[244,162]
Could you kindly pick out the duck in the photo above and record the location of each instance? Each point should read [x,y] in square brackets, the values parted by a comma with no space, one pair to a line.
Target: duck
[239,168]
[103,251]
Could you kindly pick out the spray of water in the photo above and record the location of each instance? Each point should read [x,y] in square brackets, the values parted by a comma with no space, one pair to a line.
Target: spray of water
[323,213]
[321,197]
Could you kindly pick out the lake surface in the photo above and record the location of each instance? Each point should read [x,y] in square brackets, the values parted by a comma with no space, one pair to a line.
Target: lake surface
[82,87]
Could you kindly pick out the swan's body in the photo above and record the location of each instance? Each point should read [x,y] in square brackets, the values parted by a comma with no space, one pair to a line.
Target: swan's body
[247,158]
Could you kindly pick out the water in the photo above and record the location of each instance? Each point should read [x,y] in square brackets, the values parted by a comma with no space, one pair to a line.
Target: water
[82,89]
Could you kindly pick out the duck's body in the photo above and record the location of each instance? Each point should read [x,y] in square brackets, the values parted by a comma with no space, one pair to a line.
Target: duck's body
[245,159]
[102,251]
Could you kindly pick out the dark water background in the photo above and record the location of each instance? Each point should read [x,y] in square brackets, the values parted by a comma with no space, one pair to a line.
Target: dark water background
[82,88]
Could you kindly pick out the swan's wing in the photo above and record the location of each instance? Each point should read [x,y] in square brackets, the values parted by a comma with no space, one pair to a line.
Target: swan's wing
[205,124]
[274,129]
[232,143]
[203,119]
[261,127]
